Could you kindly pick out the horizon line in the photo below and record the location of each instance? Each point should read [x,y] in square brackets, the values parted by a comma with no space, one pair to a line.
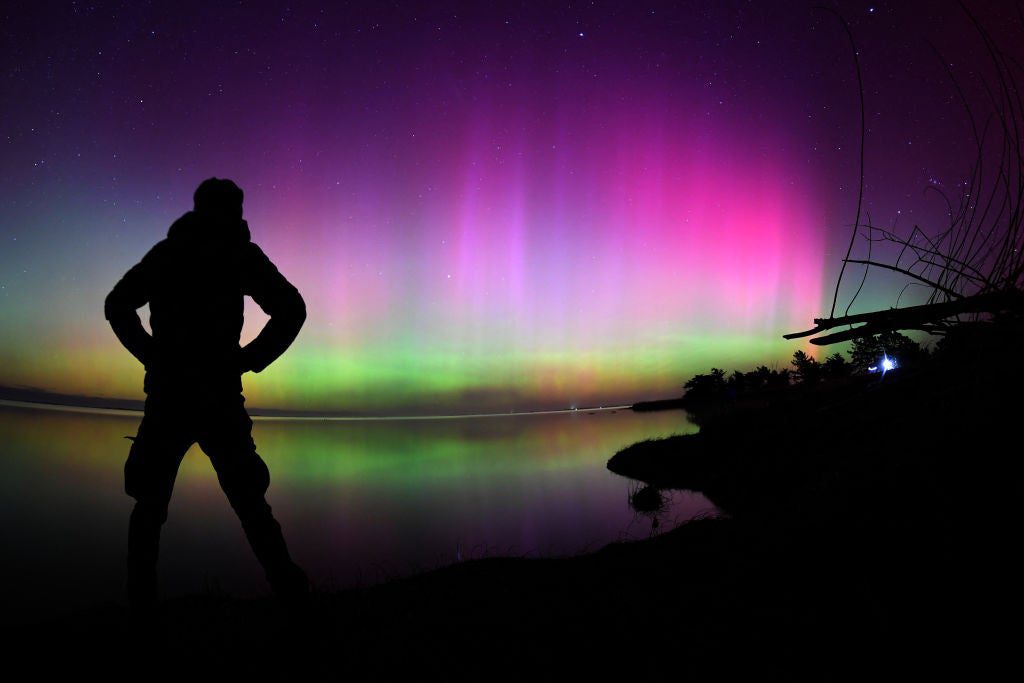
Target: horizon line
[132,412]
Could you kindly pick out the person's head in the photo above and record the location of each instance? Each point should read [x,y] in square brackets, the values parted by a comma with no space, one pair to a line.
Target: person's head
[219,198]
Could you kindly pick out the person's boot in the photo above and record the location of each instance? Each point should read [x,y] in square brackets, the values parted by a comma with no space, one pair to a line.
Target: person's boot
[141,588]
[287,580]
[143,551]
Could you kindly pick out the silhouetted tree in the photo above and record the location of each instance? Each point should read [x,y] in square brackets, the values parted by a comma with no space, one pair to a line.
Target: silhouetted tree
[835,366]
[868,351]
[760,377]
[865,352]
[807,369]
[780,378]
[705,388]
[737,383]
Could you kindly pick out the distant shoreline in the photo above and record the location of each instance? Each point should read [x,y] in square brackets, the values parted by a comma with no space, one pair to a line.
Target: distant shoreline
[660,404]
[258,414]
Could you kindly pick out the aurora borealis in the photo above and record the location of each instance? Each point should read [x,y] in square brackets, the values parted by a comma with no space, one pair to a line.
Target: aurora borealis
[487,206]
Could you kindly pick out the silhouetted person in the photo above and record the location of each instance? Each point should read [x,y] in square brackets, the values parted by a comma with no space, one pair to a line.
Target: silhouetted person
[194,282]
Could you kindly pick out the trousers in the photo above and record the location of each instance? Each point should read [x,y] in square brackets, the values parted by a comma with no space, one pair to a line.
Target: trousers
[223,429]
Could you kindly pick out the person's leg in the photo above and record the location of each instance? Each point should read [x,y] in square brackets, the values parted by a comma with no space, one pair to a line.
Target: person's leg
[226,438]
[149,474]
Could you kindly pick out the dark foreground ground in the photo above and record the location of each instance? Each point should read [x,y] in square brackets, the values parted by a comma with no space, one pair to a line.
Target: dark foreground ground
[872,534]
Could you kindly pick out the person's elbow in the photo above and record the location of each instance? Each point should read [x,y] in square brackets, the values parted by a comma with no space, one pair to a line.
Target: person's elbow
[292,308]
[299,307]
[113,307]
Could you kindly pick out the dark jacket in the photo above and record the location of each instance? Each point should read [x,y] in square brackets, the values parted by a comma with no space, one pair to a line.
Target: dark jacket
[194,282]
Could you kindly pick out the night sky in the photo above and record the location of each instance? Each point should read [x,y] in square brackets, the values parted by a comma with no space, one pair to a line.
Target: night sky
[487,206]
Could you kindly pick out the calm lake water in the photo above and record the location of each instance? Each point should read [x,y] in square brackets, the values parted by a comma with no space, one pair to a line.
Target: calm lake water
[360,501]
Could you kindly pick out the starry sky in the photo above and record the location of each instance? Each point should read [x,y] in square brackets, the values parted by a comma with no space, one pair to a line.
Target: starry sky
[487,206]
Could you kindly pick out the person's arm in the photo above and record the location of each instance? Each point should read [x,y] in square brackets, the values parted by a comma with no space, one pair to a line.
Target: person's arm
[280,300]
[131,293]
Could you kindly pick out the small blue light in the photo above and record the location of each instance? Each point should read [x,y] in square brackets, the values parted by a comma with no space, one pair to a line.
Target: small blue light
[887,363]
[884,365]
